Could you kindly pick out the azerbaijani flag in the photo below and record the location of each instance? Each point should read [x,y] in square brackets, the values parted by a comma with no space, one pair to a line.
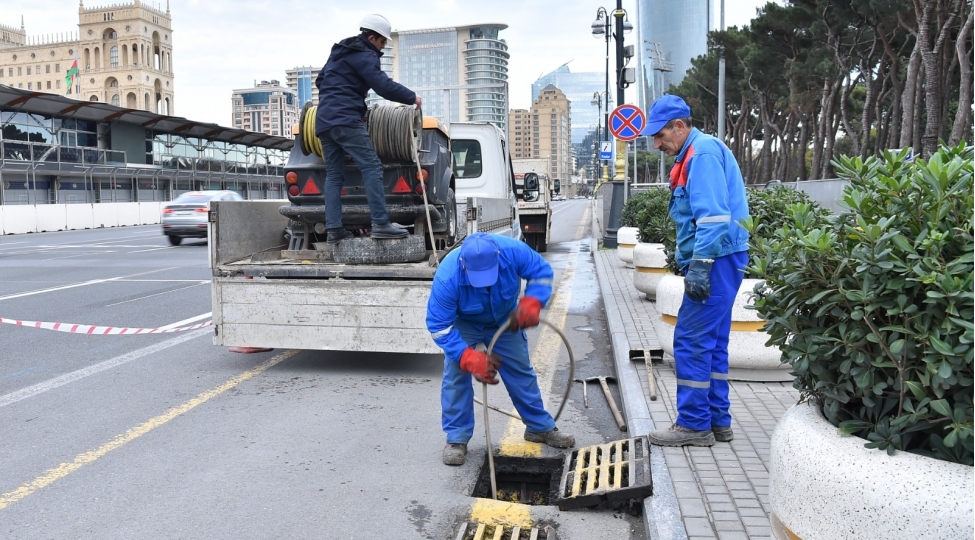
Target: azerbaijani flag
[72,74]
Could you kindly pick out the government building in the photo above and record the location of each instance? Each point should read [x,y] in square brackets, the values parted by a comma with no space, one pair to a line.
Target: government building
[124,54]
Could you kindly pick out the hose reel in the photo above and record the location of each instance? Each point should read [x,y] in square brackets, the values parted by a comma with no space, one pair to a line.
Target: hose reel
[393,129]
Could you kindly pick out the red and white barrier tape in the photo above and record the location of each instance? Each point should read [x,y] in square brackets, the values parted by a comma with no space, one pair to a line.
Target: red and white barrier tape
[99,330]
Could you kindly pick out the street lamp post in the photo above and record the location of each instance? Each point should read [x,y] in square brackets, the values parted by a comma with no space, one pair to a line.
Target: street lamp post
[602,27]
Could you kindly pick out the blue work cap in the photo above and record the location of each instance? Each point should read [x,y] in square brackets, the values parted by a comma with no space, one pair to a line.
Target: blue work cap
[668,107]
[479,257]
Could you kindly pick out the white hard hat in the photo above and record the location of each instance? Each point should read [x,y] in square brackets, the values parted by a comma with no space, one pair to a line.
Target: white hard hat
[376,23]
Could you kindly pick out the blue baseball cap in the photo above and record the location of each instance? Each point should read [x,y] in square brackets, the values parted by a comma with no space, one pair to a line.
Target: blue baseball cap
[668,107]
[479,257]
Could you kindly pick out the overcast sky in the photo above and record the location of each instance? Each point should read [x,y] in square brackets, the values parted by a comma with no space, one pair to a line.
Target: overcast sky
[220,45]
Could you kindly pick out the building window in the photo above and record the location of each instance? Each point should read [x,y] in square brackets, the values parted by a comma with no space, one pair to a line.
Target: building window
[115,100]
[57,84]
[48,85]
[20,72]
[28,70]
[47,68]
[28,86]
[113,55]
[57,68]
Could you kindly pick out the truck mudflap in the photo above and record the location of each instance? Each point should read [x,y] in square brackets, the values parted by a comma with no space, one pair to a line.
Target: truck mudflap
[317,314]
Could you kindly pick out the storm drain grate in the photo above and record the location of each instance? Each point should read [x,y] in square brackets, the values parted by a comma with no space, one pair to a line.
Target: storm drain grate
[480,531]
[616,471]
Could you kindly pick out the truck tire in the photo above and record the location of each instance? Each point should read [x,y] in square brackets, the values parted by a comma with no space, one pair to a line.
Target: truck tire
[539,243]
[450,235]
[384,251]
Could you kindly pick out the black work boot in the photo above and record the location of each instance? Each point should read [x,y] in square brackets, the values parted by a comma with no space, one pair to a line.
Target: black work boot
[553,438]
[723,433]
[678,435]
[454,454]
[388,230]
[337,235]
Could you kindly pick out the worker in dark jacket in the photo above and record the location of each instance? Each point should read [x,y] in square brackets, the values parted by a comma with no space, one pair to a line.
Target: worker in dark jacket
[707,204]
[475,290]
[352,69]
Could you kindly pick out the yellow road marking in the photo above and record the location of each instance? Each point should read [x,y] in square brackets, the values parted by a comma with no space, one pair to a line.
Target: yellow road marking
[502,513]
[546,350]
[64,469]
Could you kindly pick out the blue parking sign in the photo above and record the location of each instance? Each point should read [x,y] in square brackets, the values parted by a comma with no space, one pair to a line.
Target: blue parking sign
[606,150]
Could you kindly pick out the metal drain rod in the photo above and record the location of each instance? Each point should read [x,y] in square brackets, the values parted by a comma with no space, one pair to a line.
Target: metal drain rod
[487,422]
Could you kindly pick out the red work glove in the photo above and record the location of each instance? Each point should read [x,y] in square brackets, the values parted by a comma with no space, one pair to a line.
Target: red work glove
[525,315]
[484,368]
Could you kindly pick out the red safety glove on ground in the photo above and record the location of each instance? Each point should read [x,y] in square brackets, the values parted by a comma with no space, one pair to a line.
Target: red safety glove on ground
[525,315]
[484,368]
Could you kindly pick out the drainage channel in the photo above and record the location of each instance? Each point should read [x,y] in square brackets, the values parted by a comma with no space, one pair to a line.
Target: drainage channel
[614,474]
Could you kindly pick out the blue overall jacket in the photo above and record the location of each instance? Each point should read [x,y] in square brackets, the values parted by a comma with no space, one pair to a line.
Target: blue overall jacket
[453,297]
[707,200]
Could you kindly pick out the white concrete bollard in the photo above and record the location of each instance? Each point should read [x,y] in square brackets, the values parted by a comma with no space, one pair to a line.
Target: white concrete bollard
[626,239]
[650,266]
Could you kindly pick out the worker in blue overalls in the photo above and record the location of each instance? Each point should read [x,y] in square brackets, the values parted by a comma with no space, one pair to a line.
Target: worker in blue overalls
[475,290]
[707,204]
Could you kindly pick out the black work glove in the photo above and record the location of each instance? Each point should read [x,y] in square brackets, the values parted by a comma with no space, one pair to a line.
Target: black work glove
[697,282]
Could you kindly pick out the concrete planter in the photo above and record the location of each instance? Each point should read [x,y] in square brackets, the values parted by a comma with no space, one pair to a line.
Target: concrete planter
[749,359]
[826,485]
[626,240]
[650,266]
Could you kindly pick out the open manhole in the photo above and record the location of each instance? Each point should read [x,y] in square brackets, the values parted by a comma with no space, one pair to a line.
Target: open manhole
[531,481]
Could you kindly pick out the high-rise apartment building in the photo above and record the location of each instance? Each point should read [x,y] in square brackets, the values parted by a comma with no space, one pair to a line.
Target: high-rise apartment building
[302,81]
[474,57]
[520,133]
[267,108]
[124,53]
[546,132]
[667,44]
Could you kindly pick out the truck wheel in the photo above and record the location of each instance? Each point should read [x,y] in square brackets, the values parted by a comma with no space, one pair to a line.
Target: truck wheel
[174,240]
[451,218]
[541,246]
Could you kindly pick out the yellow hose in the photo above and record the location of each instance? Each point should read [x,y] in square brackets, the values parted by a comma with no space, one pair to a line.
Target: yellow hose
[309,141]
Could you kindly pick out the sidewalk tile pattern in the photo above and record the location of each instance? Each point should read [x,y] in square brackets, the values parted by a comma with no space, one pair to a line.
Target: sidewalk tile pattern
[722,491]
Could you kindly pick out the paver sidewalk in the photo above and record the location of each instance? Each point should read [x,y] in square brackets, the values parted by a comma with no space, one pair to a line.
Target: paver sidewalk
[721,491]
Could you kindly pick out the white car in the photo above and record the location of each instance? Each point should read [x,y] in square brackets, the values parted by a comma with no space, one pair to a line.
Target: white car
[187,215]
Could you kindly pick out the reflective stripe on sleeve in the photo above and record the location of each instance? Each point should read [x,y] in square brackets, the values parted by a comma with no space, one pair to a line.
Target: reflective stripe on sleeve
[714,219]
[442,333]
[694,384]
[544,281]
[719,376]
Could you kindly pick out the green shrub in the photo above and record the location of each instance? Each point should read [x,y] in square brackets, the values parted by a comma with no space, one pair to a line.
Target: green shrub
[648,212]
[874,309]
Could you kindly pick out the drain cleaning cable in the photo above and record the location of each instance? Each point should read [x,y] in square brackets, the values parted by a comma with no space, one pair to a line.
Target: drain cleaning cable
[487,423]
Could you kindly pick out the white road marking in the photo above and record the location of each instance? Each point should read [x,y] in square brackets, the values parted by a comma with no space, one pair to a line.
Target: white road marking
[185,322]
[153,249]
[207,282]
[82,284]
[67,378]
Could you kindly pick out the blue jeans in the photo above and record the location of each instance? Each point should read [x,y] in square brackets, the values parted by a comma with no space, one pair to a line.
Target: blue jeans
[516,372]
[352,140]
[701,348]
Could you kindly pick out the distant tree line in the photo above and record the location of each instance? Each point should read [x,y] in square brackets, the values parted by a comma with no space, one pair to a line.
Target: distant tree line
[813,79]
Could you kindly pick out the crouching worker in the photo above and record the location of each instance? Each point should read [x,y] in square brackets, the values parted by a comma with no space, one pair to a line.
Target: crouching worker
[475,290]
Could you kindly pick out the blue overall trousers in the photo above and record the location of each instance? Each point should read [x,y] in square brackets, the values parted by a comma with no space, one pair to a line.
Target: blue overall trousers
[517,375]
[701,348]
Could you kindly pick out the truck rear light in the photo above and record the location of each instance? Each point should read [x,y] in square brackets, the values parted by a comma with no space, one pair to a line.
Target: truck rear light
[293,190]
[419,188]
[291,177]
[311,188]
[401,186]
[422,175]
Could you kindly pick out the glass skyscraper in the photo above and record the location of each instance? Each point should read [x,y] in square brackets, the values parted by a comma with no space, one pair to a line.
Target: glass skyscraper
[429,60]
[678,31]
[302,81]
[579,88]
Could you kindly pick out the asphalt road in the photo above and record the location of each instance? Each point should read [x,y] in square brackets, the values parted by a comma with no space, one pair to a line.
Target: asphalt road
[168,436]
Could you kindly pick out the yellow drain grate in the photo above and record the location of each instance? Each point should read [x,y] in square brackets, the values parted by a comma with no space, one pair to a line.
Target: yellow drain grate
[481,531]
[615,471]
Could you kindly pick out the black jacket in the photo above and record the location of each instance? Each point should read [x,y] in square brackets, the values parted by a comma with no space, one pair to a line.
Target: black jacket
[352,69]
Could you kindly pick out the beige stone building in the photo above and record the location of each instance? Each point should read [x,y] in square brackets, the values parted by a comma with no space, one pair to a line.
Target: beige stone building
[545,131]
[124,52]
[520,132]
